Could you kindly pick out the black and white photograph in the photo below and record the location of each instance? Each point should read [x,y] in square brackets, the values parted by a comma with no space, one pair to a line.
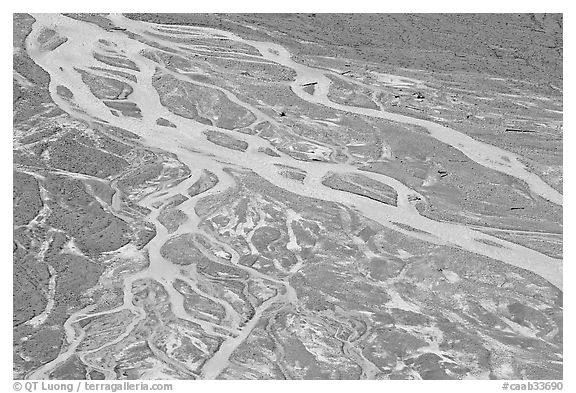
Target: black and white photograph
[287,196]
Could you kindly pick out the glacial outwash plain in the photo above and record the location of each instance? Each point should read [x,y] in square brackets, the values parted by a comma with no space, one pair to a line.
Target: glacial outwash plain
[301,196]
